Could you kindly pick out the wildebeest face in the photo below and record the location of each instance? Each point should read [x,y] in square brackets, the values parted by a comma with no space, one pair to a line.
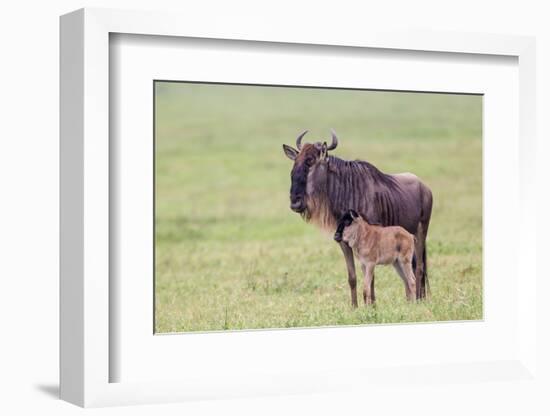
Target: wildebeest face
[345,225]
[309,171]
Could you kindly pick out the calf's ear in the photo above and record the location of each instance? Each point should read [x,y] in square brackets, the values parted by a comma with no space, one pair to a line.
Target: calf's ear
[353,214]
[290,152]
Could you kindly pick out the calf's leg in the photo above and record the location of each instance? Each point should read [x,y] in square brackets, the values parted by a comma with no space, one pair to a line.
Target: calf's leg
[369,278]
[406,266]
[372,294]
[352,278]
[401,274]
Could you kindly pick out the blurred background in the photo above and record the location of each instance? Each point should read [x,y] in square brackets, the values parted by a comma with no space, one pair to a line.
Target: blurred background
[230,254]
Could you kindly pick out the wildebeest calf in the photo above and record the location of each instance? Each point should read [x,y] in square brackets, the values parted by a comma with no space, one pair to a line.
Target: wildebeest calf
[373,245]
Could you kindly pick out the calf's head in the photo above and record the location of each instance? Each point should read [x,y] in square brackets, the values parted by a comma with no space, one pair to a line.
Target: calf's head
[347,227]
[310,169]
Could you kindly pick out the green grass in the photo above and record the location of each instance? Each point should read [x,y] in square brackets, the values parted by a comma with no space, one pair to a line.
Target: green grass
[231,255]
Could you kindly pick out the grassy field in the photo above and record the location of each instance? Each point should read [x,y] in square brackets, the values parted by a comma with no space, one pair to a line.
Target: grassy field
[231,255]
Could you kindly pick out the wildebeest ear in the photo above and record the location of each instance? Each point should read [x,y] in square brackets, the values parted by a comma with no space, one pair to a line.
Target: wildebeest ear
[324,151]
[353,214]
[290,152]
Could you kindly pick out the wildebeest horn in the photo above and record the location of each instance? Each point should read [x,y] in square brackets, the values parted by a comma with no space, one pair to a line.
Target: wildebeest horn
[334,141]
[299,140]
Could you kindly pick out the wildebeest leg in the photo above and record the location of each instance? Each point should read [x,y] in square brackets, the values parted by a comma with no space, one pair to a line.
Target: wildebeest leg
[369,278]
[372,295]
[352,278]
[419,246]
[421,272]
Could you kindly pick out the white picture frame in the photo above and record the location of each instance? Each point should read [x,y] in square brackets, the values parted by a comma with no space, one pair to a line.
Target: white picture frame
[86,353]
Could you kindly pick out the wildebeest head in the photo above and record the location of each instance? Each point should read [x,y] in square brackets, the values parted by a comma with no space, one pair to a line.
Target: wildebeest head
[344,224]
[309,171]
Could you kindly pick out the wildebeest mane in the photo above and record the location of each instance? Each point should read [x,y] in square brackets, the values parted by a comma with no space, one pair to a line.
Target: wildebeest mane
[351,185]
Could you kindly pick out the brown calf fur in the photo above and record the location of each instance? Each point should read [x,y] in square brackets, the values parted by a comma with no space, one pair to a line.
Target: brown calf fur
[374,245]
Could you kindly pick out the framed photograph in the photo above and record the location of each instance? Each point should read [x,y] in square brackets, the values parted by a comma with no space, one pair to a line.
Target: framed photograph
[274,212]
[224,221]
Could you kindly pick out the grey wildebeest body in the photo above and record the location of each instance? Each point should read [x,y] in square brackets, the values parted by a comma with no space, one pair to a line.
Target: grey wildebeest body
[324,187]
[374,245]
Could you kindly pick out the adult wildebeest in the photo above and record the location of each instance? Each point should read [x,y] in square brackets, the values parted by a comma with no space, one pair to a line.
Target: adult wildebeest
[324,187]
[374,245]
